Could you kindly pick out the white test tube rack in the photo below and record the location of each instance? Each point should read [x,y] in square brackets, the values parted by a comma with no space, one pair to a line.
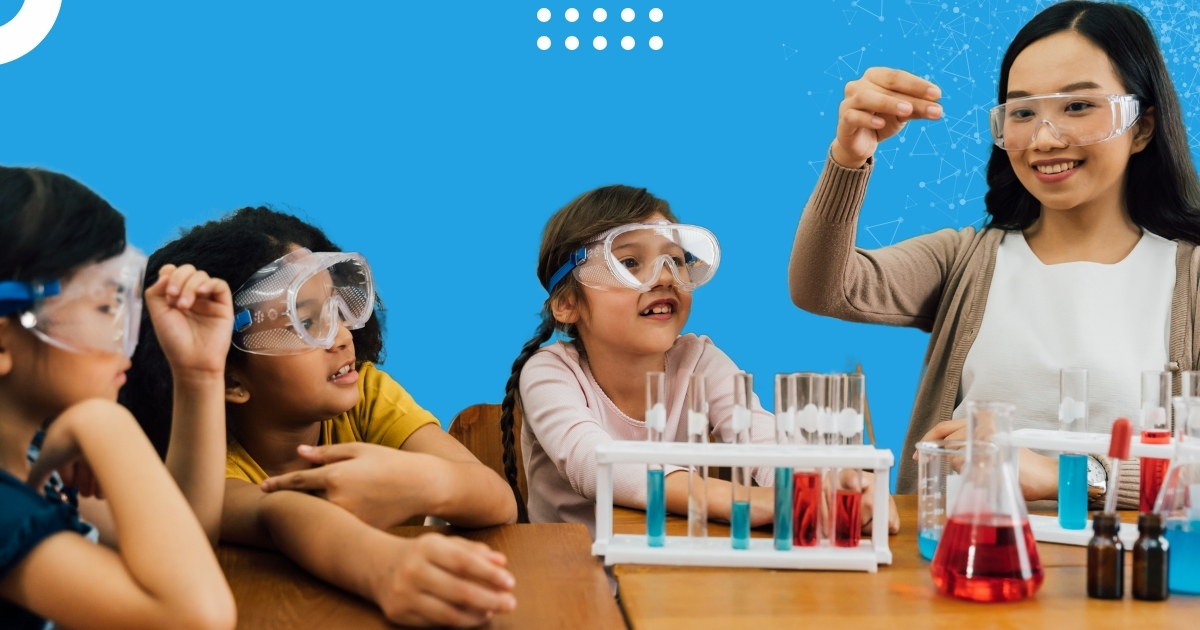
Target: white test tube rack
[719,551]
[1046,528]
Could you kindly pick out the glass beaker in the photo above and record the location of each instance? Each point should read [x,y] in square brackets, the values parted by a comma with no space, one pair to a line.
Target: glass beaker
[939,479]
[987,552]
[1179,505]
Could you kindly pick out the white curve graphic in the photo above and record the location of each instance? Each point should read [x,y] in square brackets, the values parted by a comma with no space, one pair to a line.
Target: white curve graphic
[30,26]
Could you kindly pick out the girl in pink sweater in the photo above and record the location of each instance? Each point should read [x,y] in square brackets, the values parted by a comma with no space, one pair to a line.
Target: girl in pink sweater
[620,272]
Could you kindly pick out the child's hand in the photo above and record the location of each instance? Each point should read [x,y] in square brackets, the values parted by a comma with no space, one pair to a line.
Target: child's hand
[868,506]
[60,449]
[435,580]
[79,475]
[381,486]
[193,319]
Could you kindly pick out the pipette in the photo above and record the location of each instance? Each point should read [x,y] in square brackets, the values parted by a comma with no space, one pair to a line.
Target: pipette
[1118,451]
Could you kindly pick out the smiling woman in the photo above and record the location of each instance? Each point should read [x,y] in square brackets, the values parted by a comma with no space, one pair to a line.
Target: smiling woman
[1088,258]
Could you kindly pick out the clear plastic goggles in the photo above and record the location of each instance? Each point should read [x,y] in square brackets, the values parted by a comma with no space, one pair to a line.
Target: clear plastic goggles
[98,308]
[298,303]
[633,256]
[1075,119]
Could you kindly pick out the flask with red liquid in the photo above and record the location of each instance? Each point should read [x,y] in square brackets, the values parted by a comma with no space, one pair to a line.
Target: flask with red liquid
[806,483]
[1156,429]
[987,552]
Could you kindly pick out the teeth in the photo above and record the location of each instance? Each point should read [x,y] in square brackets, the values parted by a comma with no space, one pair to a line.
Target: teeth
[658,310]
[342,372]
[1056,168]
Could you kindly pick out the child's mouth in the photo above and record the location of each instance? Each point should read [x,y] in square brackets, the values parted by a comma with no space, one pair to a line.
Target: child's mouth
[344,374]
[659,310]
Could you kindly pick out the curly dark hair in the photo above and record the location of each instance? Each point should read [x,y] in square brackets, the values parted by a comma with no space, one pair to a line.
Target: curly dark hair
[231,248]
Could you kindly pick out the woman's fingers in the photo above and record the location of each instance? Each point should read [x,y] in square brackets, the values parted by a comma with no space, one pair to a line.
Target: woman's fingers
[902,82]
[948,430]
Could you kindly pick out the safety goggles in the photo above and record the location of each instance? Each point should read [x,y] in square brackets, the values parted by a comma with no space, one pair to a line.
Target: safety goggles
[1074,119]
[298,303]
[633,256]
[98,308]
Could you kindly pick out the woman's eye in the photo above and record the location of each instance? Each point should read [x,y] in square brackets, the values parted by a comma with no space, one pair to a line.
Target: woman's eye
[1021,114]
[1079,107]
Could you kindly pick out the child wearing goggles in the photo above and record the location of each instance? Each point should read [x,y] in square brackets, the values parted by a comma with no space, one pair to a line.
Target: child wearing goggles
[70,305]
[325,449]
[620,272]
[1088,256]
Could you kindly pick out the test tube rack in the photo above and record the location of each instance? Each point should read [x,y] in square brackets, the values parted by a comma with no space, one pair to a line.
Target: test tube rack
[1046,528]
[718,551]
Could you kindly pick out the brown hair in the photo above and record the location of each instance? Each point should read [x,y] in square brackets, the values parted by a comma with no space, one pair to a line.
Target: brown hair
[575,224]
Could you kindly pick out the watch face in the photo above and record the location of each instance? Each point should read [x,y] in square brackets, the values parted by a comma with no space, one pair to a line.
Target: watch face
[1097,478]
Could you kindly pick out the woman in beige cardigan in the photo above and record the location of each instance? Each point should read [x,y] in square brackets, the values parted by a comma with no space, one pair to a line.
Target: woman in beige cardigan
[1087,258]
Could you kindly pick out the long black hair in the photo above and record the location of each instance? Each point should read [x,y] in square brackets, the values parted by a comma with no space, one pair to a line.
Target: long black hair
[588,216]
[51,224]
[231,248]
[1161,189]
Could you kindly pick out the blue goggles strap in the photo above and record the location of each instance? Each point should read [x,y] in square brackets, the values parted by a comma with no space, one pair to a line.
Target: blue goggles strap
[578,257]
[17,296]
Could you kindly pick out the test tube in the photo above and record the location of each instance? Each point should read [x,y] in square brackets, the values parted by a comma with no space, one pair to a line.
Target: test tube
[1156,429]
[656,425]
[697,426]
[806,482]
[1072,467]
[785,435]
[743,395]
[848,494]
[830,437]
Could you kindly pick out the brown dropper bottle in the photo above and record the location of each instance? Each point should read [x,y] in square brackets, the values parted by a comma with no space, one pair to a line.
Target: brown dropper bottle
[1150,559]
[1105,559]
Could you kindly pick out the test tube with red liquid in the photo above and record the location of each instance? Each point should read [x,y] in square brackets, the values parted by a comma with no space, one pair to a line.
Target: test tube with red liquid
[806,483]
[827,426]
[1156,429]
[848,491]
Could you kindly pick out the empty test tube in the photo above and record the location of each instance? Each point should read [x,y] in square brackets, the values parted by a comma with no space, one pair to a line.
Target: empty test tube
[743,395]
[785,434]
[656,424]
[697,428]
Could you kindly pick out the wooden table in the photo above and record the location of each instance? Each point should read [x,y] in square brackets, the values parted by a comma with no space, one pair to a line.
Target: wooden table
[898,596]
[559,584]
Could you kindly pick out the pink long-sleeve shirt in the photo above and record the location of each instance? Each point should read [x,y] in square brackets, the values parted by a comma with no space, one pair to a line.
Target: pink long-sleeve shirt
[567,415]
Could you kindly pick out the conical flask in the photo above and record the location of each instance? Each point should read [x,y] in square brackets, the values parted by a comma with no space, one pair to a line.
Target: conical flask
[987,552]
[1179,503]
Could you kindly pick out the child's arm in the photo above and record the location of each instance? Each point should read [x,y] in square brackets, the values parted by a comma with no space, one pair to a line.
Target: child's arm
[193,320]
[432,475]
[432,579]
[81,585]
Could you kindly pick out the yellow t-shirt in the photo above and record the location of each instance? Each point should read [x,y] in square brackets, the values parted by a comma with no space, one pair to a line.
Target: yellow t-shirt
[385,415]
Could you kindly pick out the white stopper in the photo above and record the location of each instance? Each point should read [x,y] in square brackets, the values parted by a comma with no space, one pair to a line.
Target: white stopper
[697,423]
[826,421]
[785,422]
[850,423]
[808,418]
[656,418]
[741,419]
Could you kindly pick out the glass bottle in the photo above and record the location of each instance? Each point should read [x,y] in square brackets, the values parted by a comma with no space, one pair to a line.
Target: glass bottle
[1105,559]
[987,552]
[1150,560]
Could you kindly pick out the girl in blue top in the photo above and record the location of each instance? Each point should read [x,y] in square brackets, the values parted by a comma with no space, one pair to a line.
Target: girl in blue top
[70,300]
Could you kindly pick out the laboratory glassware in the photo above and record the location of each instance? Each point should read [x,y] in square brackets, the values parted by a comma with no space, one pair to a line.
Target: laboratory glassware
[785,435]
[697,429]
[1156,429]
[806,483]
[849,484]
[939,478]
[1179,506]
[656,426]
[743,417]
[1150,559]
[987,552]
[827,427]
[1072,467]
[1105,559]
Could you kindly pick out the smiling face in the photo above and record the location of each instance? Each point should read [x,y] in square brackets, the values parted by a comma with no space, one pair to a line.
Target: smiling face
[1060,176]
[625,320]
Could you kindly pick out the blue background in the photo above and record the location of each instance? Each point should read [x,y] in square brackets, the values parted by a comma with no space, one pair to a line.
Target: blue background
[436,139]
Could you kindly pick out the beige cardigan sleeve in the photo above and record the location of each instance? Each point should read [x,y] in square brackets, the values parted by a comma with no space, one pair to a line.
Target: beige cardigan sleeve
[899,285]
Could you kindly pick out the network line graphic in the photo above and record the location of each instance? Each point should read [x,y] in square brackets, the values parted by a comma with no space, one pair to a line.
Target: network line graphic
[940,167]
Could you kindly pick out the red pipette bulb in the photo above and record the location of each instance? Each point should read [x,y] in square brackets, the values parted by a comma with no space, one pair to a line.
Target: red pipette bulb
[1122,432]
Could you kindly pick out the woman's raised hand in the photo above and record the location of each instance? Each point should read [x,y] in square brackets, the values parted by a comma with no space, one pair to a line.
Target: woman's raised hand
[876,107]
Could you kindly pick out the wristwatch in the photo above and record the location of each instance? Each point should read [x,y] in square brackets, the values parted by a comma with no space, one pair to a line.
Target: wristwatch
[1097,478]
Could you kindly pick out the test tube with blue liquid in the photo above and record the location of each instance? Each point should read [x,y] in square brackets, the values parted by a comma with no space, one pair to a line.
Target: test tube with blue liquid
[785,434]
[1072,467]
[743,395]
[697,428]
[656,424]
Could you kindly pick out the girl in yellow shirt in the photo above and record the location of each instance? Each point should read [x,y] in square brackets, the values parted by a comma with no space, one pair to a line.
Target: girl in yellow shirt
[325,450]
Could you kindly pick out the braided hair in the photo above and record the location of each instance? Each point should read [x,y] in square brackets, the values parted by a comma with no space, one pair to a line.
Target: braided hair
[575,224]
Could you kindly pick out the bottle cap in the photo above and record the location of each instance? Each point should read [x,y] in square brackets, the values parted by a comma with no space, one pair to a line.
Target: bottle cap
[1122,431]
[1150,524]
[1105,524]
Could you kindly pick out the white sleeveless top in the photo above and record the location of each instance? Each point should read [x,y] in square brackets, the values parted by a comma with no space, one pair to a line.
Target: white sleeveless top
[1114,320]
